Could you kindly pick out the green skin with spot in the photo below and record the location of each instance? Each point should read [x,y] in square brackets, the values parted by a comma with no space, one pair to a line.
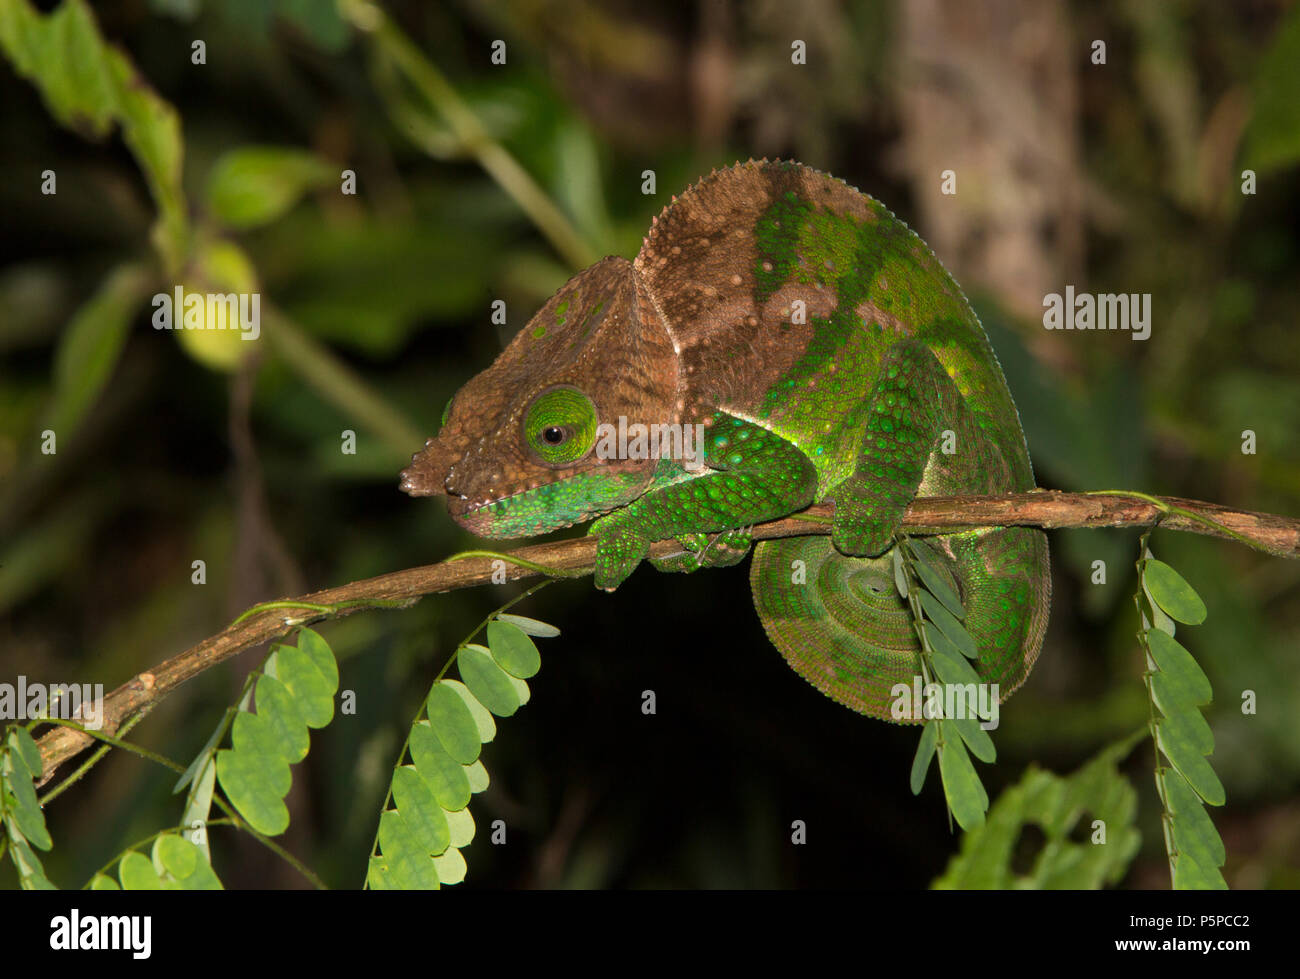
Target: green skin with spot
[830,357]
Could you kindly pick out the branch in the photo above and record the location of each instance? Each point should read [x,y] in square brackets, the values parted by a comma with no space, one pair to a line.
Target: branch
[1272,534]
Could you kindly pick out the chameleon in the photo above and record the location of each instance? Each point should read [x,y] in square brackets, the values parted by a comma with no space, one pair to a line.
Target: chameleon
[821,353]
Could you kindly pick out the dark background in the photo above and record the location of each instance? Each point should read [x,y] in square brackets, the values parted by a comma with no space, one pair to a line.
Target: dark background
[1117,177]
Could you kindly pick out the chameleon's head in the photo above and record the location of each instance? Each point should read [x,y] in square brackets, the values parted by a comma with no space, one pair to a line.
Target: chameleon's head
[517,453]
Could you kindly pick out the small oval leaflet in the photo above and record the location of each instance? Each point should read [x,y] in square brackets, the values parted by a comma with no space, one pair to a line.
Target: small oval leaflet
[924,754]
[487,725]
[1191,764]
[962,786]
[137,873]
[976,738]
[415,801]
[461,824]
[276,703]
[948,624]
[1180,668]
[178,858]
[450,865]
[487,681]
[245,780]
[1172,593]
[952,669]
[446,777]
[453,724]
[542,630]
[1187,809]
[929,569]
[408,864]
[513,651]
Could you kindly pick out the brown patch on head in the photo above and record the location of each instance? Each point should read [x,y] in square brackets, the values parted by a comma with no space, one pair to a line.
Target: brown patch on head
[594,335]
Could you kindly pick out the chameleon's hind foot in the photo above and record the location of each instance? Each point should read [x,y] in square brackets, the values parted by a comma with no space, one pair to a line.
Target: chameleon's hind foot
[720,550]
[864,529]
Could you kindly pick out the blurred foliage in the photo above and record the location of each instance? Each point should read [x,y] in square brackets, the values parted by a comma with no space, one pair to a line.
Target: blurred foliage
[479,181]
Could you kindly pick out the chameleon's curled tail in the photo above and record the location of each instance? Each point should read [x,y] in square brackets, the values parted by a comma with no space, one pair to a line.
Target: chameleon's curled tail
[841,624]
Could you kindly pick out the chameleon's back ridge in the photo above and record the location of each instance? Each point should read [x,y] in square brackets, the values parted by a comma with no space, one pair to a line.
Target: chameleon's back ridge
[825,354]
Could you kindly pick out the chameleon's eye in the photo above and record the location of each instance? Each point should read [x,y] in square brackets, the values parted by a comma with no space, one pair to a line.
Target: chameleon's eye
[560,425]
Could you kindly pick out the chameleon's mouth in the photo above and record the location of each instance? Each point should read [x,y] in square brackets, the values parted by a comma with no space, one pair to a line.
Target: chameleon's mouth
[519,514]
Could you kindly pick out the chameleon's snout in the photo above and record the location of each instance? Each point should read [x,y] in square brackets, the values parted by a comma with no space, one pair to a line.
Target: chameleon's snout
[425,476]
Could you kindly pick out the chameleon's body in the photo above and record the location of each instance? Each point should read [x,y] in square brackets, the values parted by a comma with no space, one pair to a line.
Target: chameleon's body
[845,399]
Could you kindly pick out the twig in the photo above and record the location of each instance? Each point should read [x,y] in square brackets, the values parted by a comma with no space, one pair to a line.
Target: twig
[1270,533]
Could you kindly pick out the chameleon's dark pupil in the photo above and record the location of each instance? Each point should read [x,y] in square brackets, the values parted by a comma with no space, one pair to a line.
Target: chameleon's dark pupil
[554,436]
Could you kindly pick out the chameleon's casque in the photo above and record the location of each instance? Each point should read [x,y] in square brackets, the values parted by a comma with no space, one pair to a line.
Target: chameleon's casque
[830,357]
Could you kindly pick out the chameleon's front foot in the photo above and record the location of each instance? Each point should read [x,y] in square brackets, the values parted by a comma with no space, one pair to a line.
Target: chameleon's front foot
[619,549]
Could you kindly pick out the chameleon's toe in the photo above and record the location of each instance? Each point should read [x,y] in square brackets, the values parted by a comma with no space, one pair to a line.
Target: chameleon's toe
[720,550]
[728,548]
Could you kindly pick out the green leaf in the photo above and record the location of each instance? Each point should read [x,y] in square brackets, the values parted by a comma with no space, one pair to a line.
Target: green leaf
[1190,763]
[137,873]
[172,855]
[31,875]
[448,778]
[1158,617]
[924,754]
[976,738]
[27,821]
[408,864]
[450,866]
[951,668]
[208,750]
[543,630]
[1192,875]
[461,825]
[254,185]
[513,651]
[900,575]
[948,624]
[486,681]
[1056,806]
[483,719]
[1171,592]
[477,776]
[90,346]
[377,876]
[276,704]
[253,736]
[198,806]
[453,724]
[250,785]
[22,740]
[929,567]
[311,682]
[1190,726]
[103,882]
[1195,826]
[1184,678]
[966,796]
[88,86]
[424,816]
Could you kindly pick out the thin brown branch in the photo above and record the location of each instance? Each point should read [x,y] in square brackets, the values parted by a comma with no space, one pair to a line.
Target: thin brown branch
[1273,534]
